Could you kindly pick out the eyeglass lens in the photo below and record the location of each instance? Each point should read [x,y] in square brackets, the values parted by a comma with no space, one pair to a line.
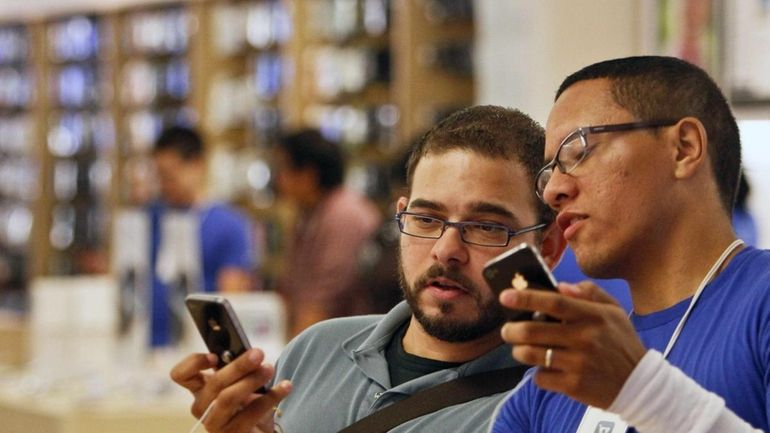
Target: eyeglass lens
[571,152]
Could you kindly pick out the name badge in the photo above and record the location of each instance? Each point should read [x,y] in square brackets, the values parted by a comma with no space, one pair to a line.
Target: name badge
[596,420]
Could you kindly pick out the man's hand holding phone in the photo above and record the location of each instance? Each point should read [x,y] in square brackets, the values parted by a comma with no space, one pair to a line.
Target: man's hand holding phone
[586,352]
[229,384]
[226,396]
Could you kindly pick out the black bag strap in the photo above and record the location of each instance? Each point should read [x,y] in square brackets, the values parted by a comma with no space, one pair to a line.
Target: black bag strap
[460,390]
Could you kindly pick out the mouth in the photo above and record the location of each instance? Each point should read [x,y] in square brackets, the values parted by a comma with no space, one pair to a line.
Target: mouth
[568,223]
[445,288]
[445,284]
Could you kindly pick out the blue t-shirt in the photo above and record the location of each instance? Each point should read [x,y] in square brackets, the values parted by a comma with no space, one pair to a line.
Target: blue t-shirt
[724,346]
[225,240]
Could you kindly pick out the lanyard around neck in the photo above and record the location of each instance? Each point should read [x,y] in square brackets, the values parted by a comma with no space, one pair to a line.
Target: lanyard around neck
[714,268]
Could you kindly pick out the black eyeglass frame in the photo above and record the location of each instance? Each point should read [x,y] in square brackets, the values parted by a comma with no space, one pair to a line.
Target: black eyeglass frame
[460,226]
[583,132]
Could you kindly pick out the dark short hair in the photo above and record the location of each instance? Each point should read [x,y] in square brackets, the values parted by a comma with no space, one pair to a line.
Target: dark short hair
[491,131]
[183,140]
[658,87]
[308,148]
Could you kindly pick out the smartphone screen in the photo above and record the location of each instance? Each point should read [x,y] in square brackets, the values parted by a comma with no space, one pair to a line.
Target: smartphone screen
[521,267]
[218,325]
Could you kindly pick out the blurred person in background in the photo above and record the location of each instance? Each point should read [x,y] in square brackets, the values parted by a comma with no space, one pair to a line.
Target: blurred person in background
[569,272]
[320,280]
[378,262]
[222,239]
[743,222]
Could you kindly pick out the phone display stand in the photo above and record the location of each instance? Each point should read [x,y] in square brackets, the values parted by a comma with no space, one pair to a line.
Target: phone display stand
[131,265]
[179,267]
[263,318]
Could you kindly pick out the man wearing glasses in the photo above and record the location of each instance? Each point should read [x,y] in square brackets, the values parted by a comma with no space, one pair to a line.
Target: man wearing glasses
[469,198]
[647,196]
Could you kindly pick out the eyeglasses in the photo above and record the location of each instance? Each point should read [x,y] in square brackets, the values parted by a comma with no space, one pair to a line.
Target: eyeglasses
[574,148]
[471,232]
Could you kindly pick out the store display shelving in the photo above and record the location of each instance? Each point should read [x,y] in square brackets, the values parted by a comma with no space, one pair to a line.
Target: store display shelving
[18,161]
[100,86]
[79,144]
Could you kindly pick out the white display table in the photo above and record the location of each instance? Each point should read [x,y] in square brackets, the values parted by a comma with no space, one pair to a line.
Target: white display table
[58,415]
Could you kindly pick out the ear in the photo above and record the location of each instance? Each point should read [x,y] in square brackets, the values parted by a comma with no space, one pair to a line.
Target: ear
[401,204]
[553,245]
[311,175]
[198,163]
[691,147]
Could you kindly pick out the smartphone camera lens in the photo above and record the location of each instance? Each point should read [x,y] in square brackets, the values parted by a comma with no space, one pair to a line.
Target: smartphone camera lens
[227,356]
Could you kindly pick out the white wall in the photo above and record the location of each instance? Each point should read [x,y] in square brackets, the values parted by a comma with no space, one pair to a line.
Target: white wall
[526,48]
[756,160]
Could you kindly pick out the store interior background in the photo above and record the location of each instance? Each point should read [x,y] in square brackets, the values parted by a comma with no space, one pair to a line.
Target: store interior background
[523,49]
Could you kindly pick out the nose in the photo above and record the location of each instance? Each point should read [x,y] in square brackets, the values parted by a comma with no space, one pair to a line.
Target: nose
[450,249]
[560,188]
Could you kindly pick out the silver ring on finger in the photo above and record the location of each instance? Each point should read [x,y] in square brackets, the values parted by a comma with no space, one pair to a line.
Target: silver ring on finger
[548,357]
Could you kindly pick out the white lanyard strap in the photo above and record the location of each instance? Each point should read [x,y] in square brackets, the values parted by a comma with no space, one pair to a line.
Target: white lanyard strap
[720,261]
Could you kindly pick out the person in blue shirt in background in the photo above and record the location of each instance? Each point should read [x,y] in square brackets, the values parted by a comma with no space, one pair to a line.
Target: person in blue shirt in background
[569,272]
[743,222]
[222,248]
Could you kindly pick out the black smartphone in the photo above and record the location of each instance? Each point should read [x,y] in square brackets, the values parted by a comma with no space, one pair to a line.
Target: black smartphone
[219,326]
[521,267]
